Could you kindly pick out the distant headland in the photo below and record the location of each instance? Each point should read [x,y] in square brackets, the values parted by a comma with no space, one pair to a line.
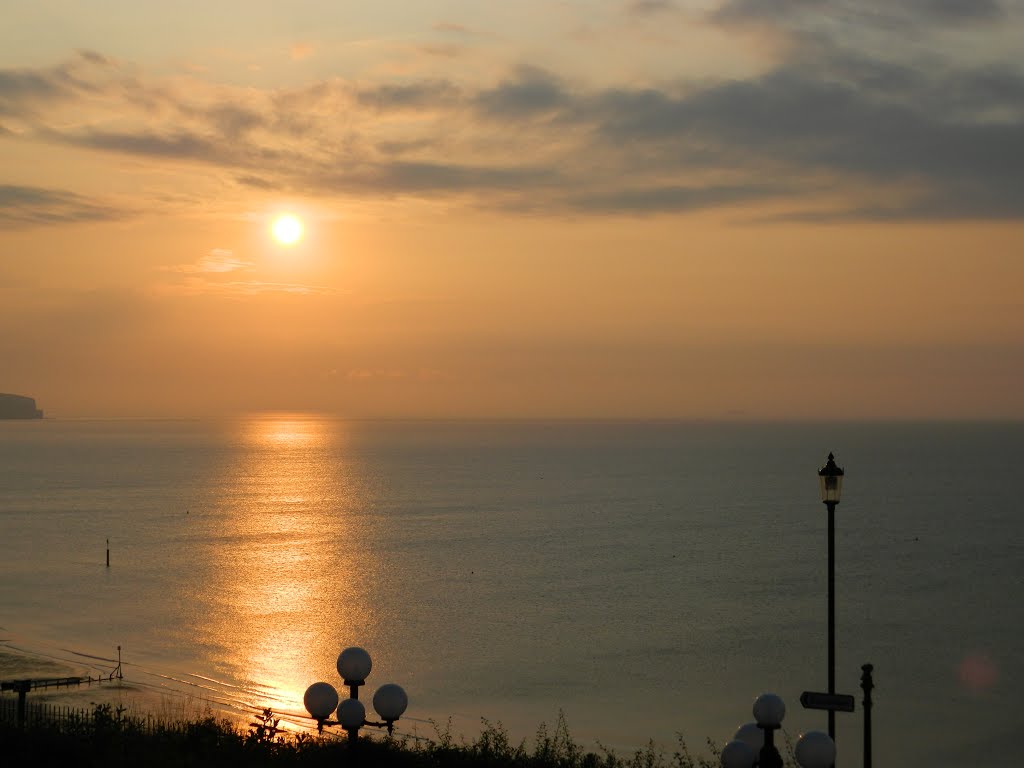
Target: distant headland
[18,407]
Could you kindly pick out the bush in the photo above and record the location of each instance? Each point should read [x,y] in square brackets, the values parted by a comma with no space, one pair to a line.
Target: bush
[110,738]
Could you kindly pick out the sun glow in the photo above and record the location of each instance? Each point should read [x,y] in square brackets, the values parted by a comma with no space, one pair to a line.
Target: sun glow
[287,229]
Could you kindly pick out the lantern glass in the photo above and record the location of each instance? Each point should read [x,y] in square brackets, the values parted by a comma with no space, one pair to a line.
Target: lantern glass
[831,488]
[830,478]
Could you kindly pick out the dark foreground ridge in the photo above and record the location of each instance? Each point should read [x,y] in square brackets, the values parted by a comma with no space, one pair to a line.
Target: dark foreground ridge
[18,407]
[110,738]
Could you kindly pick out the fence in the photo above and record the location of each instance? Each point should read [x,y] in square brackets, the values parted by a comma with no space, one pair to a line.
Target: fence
[63,716]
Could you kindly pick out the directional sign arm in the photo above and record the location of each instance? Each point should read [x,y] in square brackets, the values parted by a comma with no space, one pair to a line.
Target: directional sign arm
[833,702]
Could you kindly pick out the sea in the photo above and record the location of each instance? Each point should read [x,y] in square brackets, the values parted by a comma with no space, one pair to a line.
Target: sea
[644,581]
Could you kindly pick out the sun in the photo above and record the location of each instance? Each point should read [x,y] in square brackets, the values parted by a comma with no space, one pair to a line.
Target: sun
[287,229]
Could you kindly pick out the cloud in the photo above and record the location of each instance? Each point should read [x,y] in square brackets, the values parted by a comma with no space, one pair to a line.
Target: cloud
[942,136]
[95,57]
[233,120]
[955,11]
[420,95]
[254,287]
[24,91]
[206,277]
[201,284]
[398,148]
[216,274]
[179,145]
[402,177]
[674,199]
[650,7]
[809,125]
[257,182]
[34,206]
[531,92]
[442,50]
[877,13]
[217,261]
[300,51]
[18,87]
[451,28]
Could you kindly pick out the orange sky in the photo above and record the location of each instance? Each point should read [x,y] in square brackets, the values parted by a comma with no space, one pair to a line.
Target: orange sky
[632,209]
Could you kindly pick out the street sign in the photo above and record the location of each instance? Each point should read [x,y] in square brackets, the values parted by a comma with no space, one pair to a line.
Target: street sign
[834,702]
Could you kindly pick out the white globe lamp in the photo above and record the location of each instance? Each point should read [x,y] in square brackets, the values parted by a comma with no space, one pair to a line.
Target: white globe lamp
[750,735]
[738,754]
[354,665]
[390,701]
[351,714]
[815,749]
[769,710]
[320,699]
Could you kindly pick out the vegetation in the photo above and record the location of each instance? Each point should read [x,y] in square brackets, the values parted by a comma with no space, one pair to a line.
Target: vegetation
[111,738]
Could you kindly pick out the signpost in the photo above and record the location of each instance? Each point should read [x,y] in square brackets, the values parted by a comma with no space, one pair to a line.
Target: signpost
[866,684]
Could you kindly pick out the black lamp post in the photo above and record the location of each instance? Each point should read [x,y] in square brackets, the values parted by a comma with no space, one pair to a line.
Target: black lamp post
[753,744]
[768,712]
[831,478]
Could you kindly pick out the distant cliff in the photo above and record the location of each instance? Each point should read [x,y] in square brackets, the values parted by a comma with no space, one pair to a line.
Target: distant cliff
[18,407]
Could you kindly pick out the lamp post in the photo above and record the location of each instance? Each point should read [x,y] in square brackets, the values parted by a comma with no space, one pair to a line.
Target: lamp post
[830,478]
[753,744]
[354,665]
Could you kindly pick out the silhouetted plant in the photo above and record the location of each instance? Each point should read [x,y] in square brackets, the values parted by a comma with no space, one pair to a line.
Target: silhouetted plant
[109,737]
[265,728]
[494,746]
[444,737]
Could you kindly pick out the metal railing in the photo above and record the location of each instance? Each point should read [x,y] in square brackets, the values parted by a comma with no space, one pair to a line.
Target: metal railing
[66,717]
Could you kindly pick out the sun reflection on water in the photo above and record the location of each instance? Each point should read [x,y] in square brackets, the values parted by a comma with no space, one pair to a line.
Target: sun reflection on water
[290,533]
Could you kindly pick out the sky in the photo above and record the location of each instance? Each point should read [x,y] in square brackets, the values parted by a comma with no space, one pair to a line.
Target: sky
[711,209]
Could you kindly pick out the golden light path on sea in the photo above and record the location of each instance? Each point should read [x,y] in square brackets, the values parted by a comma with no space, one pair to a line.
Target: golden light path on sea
[289,566]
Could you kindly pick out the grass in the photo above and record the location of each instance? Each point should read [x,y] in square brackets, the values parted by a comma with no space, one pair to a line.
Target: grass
[111,738]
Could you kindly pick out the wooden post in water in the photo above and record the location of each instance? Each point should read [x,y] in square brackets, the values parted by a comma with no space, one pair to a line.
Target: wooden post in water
[22,687]
[108,553]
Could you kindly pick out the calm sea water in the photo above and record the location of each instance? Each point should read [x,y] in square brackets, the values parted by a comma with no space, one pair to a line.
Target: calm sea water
[645,579]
